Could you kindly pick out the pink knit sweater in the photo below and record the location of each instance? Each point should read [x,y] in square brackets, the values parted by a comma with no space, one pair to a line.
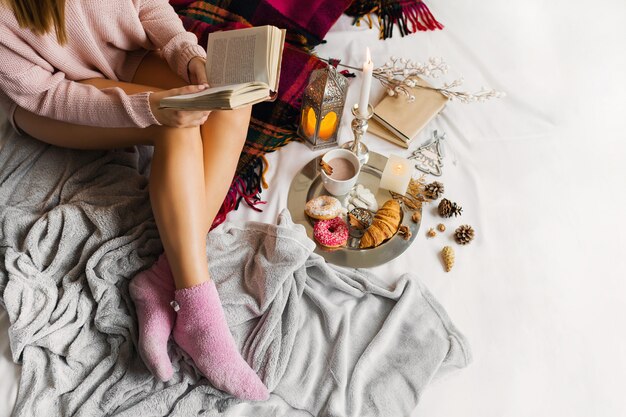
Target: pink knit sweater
[106,39]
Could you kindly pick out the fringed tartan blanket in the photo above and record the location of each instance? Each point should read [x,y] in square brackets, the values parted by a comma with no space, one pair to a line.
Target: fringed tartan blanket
[274,124]
[409,15]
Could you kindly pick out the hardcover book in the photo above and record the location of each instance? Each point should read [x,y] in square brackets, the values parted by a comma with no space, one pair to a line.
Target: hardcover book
[399,120]
[243,67]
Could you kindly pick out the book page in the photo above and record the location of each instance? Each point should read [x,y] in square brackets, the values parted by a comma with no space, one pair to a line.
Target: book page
[236,57]
[277,42]
[227,89]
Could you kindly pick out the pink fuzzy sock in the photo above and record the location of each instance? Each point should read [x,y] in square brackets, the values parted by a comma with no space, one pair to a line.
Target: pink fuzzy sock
[152,290]
[202,332]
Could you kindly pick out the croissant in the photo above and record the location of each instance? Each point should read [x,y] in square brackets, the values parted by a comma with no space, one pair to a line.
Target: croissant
[385,224]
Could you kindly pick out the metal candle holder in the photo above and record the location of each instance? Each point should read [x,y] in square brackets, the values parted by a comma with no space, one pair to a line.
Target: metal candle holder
[359,127]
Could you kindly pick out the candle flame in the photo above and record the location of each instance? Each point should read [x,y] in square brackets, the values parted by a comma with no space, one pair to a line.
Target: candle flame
[368,56]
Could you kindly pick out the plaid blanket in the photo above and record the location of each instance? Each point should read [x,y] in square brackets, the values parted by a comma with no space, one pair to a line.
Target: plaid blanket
[274,124]
[409,15]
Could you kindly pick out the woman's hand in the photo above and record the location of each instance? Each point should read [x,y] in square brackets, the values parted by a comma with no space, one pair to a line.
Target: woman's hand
[177,118]
[196,69]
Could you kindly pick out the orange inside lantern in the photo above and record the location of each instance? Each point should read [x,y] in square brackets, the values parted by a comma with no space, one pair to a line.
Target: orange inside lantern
[308,121]
[327,125]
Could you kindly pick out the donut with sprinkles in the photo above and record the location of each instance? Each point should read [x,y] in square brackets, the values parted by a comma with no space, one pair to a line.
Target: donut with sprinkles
[331,233]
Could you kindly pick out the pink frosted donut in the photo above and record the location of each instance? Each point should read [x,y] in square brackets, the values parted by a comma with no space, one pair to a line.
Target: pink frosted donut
[323,207]
[331,233]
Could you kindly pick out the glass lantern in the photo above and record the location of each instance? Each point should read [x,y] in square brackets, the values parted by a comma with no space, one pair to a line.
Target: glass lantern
[322,107]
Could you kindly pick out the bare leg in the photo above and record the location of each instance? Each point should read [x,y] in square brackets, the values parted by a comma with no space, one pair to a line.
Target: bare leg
[201,328]
[223,135]
[178,201]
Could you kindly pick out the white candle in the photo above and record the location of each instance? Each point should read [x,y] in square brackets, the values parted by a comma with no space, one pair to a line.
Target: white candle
[366,84]
[396,175]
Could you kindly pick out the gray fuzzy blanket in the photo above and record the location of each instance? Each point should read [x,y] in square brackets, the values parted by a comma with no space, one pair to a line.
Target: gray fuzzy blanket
[76,226]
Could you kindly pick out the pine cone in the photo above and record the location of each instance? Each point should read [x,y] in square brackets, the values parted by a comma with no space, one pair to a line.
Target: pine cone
[447,253]
[445,208]
[456,210]
[464,234]
[434,190]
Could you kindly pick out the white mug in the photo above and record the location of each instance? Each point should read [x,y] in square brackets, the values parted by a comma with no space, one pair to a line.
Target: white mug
[340,187]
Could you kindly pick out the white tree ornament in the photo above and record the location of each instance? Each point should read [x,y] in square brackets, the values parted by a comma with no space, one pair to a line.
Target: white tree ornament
[428,157]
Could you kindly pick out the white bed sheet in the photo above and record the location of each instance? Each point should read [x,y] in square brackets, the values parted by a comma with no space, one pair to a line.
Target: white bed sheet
[540,175]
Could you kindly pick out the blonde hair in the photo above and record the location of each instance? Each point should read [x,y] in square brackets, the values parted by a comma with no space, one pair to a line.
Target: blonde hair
[41,16]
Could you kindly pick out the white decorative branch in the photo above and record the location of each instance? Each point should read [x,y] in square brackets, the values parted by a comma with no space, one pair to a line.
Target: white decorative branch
[399,76]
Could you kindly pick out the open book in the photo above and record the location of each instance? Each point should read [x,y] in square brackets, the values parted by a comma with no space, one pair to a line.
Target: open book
[243,67]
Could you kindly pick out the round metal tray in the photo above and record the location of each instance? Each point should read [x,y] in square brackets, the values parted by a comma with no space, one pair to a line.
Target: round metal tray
[307,184]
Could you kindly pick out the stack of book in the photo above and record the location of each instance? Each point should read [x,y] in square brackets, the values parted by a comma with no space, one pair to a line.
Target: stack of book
[399,120]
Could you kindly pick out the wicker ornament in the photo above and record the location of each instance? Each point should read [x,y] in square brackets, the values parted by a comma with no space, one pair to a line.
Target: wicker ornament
[431,232]
[464,234]
[447,253]
[441,227]
[448,209]
[434,190]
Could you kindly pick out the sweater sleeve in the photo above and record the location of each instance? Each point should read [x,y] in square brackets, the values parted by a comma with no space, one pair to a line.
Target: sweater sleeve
[167,32]
[52,95]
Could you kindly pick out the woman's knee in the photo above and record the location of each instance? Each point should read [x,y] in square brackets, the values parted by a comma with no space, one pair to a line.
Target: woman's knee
[230,124]
[239,118]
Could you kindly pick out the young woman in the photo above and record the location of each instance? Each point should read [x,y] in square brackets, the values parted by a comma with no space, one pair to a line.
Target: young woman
[89,74]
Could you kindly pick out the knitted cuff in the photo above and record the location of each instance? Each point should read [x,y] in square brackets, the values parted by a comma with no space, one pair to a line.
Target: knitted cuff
[141,112]
[184,56]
